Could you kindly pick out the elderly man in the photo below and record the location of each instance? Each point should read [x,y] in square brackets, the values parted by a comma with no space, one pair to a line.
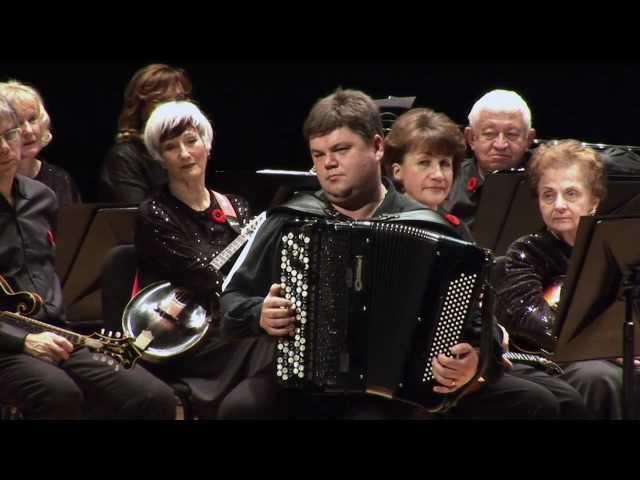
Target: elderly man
[499,133]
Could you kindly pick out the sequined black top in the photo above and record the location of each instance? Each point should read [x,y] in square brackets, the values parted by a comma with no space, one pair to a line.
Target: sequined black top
[532,264]
[176,243]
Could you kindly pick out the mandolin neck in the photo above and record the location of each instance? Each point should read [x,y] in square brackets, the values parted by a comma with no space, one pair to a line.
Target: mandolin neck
[31,324]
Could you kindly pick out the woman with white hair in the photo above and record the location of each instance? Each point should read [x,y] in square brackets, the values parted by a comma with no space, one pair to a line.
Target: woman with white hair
[181,228]
[35,125]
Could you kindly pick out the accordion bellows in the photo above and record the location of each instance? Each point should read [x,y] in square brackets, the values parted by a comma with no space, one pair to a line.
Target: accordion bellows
[375,303]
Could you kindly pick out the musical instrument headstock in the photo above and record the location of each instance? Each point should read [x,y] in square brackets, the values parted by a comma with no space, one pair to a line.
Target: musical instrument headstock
[113,348]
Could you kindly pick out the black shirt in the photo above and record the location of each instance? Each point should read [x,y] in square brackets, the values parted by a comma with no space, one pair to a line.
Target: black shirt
[27,253]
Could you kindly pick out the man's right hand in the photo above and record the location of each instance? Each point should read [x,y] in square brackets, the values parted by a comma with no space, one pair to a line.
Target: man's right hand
[48,346]
[277,316]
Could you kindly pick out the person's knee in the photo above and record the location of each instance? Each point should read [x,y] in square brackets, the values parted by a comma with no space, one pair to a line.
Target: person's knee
[57,398]
[255,398]
[153,402]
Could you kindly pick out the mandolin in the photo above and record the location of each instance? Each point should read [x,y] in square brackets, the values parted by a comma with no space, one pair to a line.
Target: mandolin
[115,351]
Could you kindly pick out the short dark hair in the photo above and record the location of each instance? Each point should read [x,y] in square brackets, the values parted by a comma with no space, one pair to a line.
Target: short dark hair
[344,108]
[424,129]
[566,153]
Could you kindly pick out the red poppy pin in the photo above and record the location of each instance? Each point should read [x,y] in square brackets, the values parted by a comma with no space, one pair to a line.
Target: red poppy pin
[453,220]
[472,184]
[218,216]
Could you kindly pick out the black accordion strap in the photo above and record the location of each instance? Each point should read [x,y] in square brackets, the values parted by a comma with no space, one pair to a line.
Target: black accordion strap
[305,203]
[423,218]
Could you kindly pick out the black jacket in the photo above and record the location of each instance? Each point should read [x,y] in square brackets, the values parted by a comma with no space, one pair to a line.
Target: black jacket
[129,174]
[533,263]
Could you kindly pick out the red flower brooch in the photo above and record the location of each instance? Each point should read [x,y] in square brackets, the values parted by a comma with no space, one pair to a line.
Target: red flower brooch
[453,220]
[472,184]
[218,216]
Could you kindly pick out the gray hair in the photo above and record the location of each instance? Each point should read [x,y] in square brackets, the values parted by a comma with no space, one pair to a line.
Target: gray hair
[171,115]
[501,101]
[7,113]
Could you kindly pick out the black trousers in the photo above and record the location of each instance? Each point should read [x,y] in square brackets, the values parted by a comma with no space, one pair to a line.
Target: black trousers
[82,387]
[571,402]
[600,384]
[228,379]
[509,397]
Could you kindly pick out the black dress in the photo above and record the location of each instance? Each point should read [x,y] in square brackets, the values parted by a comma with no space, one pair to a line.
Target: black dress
[176,243]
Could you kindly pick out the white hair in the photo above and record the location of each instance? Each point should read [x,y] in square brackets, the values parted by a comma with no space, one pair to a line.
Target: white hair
[168,116]
[501,101]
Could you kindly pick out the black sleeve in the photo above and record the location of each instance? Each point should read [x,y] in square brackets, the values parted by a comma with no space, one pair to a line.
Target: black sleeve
[163,246]
[520,305]
[11,338]
[250,281]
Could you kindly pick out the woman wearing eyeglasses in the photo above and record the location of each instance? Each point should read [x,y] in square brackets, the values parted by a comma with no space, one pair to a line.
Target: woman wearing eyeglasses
[129,174]
[35,129]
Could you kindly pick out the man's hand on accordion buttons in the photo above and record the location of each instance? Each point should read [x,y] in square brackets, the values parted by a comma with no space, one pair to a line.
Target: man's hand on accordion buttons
[277,317]
[453,373]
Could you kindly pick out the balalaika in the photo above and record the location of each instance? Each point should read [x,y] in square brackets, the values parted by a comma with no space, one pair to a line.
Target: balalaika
[375,303]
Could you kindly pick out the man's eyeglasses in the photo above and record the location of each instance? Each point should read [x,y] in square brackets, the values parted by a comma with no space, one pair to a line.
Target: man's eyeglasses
[11,136]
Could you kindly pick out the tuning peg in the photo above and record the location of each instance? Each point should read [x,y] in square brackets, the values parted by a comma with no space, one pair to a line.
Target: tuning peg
[102,331]
[110,333]
[118,334]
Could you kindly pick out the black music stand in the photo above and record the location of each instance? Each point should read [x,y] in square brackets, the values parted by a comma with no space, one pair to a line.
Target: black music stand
[595,318]
[85,234]
[508,211]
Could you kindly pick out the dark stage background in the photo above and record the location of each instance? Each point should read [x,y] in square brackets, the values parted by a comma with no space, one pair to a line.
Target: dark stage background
[259,105]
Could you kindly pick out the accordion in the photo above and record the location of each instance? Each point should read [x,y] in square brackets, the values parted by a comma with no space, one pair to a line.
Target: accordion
[375,302]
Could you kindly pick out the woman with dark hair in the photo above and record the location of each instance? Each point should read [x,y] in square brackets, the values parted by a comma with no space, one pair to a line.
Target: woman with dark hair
[129,174]
[423,152]
[35,126]
[568,181]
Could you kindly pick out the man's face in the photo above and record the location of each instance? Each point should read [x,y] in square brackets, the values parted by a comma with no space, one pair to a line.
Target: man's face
[499,140]
[10,148]
[347,166]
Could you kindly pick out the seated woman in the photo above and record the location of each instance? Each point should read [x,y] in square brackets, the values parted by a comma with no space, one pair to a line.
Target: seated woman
[35,125]
[568,181]
[129,174]
[180,229]
[423,152]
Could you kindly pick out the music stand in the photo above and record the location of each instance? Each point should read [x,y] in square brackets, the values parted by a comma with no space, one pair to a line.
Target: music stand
[86,233]
[595,318]
[508,211]
[265,188]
